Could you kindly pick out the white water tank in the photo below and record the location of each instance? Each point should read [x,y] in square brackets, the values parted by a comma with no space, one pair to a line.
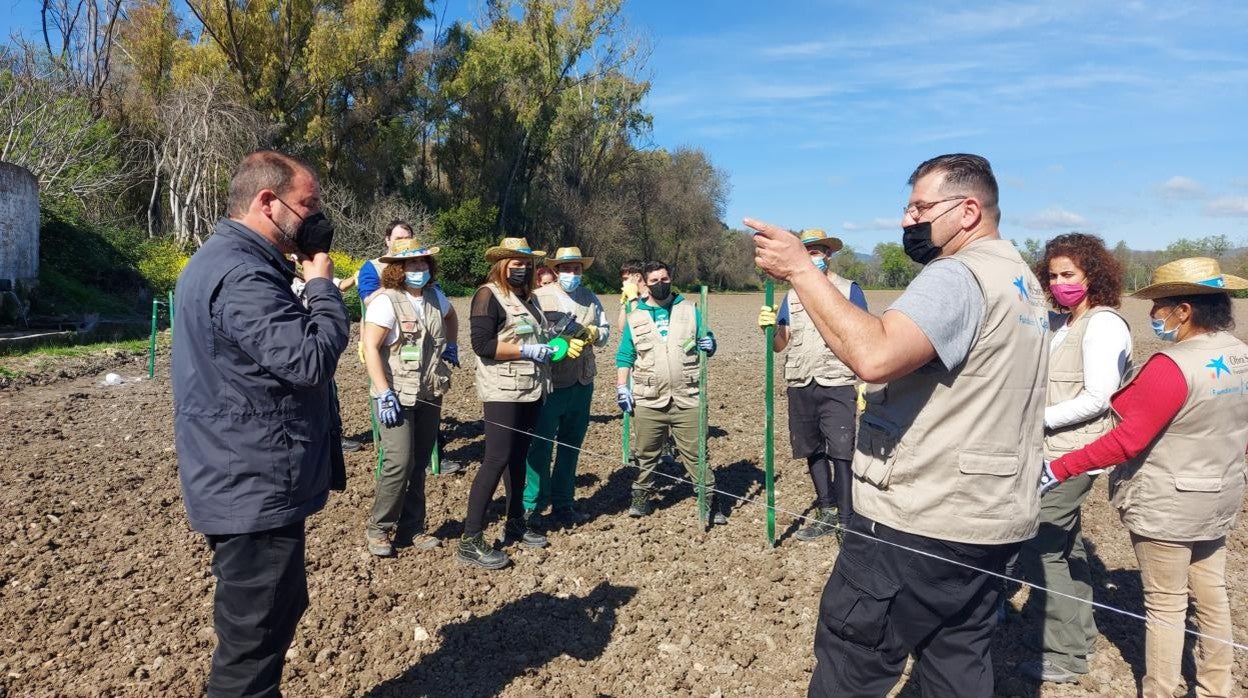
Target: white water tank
[19,228]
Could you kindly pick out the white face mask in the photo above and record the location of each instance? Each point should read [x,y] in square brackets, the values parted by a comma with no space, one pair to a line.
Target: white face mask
[569,281]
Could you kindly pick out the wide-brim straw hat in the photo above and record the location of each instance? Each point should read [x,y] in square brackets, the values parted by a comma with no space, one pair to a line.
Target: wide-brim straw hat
[407,248]
[569,255]
[512,248]
[1190,276]
[815,236]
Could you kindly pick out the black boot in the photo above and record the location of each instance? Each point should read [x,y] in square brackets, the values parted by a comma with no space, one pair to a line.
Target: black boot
[526,530]
[716,511]
[475,551]
[823,525]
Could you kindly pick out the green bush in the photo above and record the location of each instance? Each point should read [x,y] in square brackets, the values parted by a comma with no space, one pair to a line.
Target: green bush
[161,262]
[464,232]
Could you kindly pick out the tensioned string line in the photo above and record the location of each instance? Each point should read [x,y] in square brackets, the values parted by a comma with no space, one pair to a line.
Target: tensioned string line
[803,517]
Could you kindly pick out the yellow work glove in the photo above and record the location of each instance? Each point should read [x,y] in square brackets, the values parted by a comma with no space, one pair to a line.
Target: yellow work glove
[590,334]
[862,398]
[629,292]
[767,317]
[359,349]
[575,347]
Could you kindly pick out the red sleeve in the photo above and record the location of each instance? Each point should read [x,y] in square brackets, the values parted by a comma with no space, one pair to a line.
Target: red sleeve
[1146,406]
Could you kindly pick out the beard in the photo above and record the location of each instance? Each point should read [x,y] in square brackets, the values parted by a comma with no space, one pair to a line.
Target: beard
[287,233]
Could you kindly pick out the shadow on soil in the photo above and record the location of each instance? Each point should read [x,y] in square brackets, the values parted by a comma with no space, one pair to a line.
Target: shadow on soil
[482,656]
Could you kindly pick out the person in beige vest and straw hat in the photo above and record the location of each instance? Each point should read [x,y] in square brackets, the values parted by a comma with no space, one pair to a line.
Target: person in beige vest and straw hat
[1181,435]
[822,394]
[509,337]
[1089,353]
[406,351]
[949,448]
[565,416]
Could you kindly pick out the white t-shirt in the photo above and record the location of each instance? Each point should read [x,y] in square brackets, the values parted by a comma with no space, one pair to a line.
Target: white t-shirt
[382,313]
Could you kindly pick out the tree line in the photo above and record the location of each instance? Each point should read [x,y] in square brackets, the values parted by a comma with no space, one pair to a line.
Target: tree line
[527,122]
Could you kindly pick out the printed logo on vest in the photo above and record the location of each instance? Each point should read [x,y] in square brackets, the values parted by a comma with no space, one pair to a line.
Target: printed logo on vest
[1023,295]
[1218,365]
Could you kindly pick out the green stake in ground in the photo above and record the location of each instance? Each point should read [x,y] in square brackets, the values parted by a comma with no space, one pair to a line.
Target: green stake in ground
[171,311]
[703,415]
[435,460]
[769,426]
[151,346]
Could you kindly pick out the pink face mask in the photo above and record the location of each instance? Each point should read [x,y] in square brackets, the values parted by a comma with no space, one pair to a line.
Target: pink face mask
[1068,295]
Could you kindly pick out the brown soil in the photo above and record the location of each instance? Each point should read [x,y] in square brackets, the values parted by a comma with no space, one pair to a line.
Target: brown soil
[105,590]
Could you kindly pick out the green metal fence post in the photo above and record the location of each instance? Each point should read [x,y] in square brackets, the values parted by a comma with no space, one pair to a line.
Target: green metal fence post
[171,312]
[435,460]
[769,333]
[703,416]
[151,347]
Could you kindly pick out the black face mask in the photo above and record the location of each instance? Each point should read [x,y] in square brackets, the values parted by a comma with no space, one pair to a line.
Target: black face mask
[916,240]
[660,290]
[315,234]
[518,277]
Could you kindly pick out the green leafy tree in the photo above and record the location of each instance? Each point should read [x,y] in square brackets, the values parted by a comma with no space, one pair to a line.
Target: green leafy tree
[896,269]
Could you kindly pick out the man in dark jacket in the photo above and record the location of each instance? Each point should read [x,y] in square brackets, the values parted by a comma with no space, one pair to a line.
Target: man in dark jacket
[252,408]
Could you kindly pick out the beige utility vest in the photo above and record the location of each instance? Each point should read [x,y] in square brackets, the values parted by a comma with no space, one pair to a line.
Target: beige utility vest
[582,306]
[955,455]
[425,377]
[519,380]
[1188,485]
[808,358]
[1066,382]
[666,372]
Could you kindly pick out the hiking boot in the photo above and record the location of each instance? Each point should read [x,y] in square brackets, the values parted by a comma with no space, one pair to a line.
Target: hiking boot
[447,467]
[1047,672]
[569,516]
[350,445]
[824,524]
[419,541]
[716,512]
[475,551]
[526,530]
[379,544]
[641,505]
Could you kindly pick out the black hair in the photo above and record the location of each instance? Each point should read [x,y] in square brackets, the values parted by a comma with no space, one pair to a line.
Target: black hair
[1210,311]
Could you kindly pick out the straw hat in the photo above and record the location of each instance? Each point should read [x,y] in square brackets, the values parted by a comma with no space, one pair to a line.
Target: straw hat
[569,255]
[512,248]
[1188,277]
[407,248]
[815,236]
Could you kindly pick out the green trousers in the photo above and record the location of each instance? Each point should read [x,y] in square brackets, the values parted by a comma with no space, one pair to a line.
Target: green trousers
[564,418]
[1056,559]
[650,430]
[399,502]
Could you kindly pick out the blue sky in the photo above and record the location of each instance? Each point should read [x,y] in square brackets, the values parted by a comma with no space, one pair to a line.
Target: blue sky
[1120,118]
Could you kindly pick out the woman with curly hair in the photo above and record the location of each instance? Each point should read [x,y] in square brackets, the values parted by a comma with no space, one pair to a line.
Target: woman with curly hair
[1089,353]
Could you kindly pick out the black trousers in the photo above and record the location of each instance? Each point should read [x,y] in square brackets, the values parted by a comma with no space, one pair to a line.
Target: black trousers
[882,604]
[262,591]
[508,426]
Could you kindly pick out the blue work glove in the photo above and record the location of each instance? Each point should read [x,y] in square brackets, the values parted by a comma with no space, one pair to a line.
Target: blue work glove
[537,353]
[388,411]
[624,398]
[451,354]
[1047,479]
[707,344]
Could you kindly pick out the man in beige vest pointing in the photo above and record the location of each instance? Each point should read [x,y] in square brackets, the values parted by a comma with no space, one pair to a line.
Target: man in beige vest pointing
[949,449]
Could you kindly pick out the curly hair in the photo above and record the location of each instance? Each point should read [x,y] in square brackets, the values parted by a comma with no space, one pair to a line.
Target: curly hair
[1102,272]
[395,274]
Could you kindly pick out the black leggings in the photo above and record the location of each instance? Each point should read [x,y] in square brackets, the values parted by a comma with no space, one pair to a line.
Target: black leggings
[505,449]
[824,481]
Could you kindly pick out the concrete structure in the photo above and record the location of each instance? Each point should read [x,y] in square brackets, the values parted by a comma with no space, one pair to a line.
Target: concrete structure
[19,229]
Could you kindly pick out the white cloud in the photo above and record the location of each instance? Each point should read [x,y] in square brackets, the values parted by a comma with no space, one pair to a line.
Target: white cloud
[1054,218]
[1228,207]
[1178,187]
[880,223]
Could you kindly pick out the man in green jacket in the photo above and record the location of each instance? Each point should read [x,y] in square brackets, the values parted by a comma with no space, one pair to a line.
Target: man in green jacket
[659,348]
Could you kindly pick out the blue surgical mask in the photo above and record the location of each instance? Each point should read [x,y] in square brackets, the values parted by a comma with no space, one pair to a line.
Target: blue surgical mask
[1159,329]
[569,281]
[821,263]
[416,279]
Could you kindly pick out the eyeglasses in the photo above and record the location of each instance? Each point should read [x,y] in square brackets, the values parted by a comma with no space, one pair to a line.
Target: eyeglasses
[918,208]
